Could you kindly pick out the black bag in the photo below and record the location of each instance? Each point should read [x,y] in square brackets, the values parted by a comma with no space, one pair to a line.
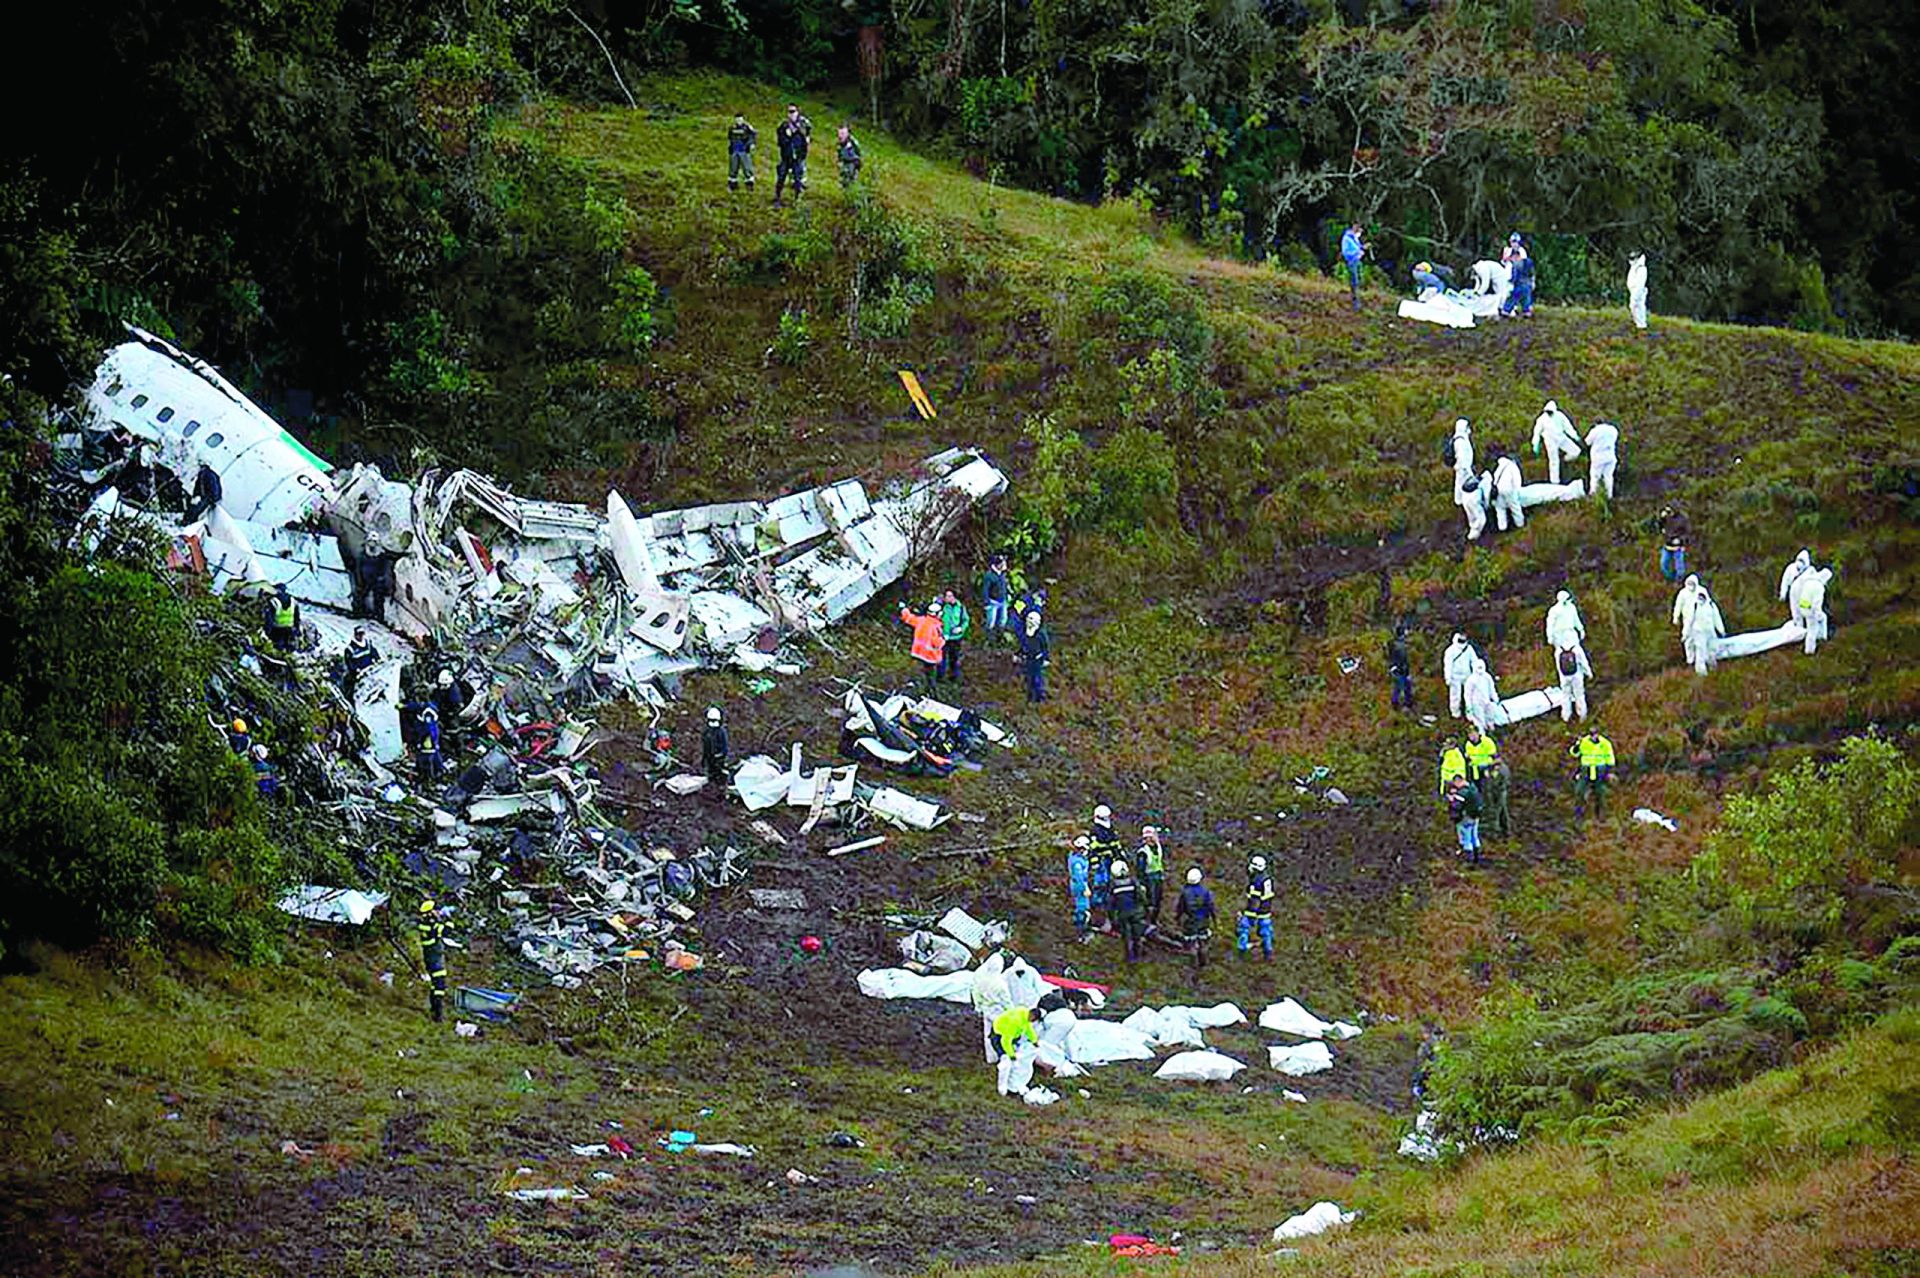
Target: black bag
[1446,450]
[1569,664]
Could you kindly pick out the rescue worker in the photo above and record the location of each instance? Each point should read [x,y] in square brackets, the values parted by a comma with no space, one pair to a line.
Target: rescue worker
[990,996]
[1426,280]
[206,495]
[929,641]
[1553,431]
[716,751]
[1194,912]
[1683,605]
[995,588]
[1462,447]
[1104,845]
[1570,662]
[1480,751]
[283,619]
[1483,697]
[1789,575]
[373,578]
[1471,496]
[265,778]
[433,954]
[426,747]
[1563,621]
[1704,627]
[849,152]
[1036,653]
[1033,603]
[1124,894]
[955,622]
[239,740]
[1675,531]
[1637,289]
[1455,665]
[741,139]
[1079,888]
[1810,604]
[1595,755]
[793,135]
[1400,669]
[1464,807]
[1453,763]
[450,696]
[1603,457]
[1257,916]
[360,657]
[1151,870]
[1495,786]
[1353,248]
[1507,482]
[1520,268]
[1018,1040]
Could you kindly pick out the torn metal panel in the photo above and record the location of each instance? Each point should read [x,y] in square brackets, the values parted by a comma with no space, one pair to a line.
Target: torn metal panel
[727,620]
[194,415]
[371,505]
[905,810]
[838,783]
[377,693]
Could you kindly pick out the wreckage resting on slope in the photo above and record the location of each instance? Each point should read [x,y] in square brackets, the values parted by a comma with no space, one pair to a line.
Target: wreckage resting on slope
[563,597]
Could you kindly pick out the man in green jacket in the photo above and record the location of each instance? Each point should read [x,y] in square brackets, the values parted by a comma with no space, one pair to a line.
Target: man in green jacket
[955,622]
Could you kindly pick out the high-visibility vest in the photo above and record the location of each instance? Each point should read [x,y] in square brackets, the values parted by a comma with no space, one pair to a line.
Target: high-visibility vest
[1452,764]
[1013,1025]
[283,615]
[1153,858]
[1259,897]
[1594,755]
[1480,755]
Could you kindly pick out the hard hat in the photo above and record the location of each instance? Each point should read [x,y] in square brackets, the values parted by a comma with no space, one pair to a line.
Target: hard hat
[260,752]
[1514,238]
[713,714]
[426,905]
[240,726]
[1193,875]
[1120,870]
[1423,266]
[1258,863]
[1103,813]
[445,679]
[359,632]
[1149,831]
[1083,843]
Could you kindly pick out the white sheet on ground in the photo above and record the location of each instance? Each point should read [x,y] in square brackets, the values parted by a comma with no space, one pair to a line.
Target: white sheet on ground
[1437,308]
[1092,1042]
[1316,1219]
[1531,705]
[760,782]
[1306,1058]
[1164,1031]
[897,982]
[1200,1067]
[1755,642]
[1541,494]
[1651,817]
[1219,1016]
[332,905]
[1289,1017]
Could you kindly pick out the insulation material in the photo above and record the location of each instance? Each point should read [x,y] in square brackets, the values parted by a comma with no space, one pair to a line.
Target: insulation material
[332,905]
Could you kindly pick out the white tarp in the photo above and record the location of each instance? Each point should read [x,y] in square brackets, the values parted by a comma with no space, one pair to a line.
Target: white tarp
[1200,1067]
[1316,1219]
[1219,1016]
[1541,494]
[1163,1031]
[897,982]
[760,782]
[1092,1042]
[1755,642]
[1289,1017]
[1530,705]
[1437,308]
[332,905]
[1305,1058]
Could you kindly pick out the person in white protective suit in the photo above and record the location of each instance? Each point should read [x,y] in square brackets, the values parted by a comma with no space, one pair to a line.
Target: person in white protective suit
[1462,448]
[1483,698]
[1637,288]
[1490,277]
[1703,627]
[1553,431]
[1563,622]
[1570,663]
[1690,592]
[1801,563]
[990,998]
[1456,664]
[1506,493]
[1810,603]
[1471,496]
[1603,455]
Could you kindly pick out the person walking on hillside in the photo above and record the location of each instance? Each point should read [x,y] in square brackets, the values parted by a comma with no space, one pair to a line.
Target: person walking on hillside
[1570,663]
[1080,888]
[1520,268]
[1495,786]
[1480,751]
[995,590]
[741,139]
[955,622]
[849,152]
[1675,531]
[793,135]
[1464,806]
[1104,845]
[1036,651]
[1151,870]
[1453,763]
[716,751]
[1353,250]
[929,641]
[1456,664]
[283,619]
[1603,458]
[1257,915]
[1400,669]
[433,955]
[1553,431]
[1194,912]
[1637,289]
[1595,755]
[1124,893]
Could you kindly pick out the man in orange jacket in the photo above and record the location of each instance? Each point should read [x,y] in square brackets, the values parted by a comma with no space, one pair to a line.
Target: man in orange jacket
[929,640]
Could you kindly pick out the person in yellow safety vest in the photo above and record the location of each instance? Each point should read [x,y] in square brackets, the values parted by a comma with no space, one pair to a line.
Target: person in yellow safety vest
[1480,751]
[1150,863]
[1595,754]
[433,952]
[1018,1042]
[283,619]
[1258,914]
[1453,763]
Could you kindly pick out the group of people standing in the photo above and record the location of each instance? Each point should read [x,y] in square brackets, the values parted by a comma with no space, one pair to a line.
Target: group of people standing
[794,136]
[942,627]
[1497,489]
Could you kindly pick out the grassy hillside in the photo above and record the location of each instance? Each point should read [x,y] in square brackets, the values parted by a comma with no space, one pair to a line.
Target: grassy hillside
[1257,492]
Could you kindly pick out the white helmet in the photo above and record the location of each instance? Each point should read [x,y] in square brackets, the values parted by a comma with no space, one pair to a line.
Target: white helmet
[1258,864]
[1193,875]
[713,714]
[1149,831]
[1103,813]
[1083,843]
[1120,870]
[1551,407]
[446,678]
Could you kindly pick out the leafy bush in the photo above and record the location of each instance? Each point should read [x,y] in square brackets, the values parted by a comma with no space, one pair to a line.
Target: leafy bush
[791,342]
[634,295]
[1134,482]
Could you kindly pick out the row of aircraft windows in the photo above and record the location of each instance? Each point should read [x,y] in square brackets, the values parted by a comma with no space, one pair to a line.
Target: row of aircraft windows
[166,415]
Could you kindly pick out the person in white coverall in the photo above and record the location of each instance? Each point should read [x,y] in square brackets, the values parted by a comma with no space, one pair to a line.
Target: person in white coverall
[1553,431]
[1506,493]
[1810,603]
[1570,662]
[1637,288]
[1471,496]
[1490,277]
[1563,622]
[1462,449]
[1483,698]
[1705,626]
[1456,664]
[990,998]
[1801,563]
[1690,592]
[1603,455]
